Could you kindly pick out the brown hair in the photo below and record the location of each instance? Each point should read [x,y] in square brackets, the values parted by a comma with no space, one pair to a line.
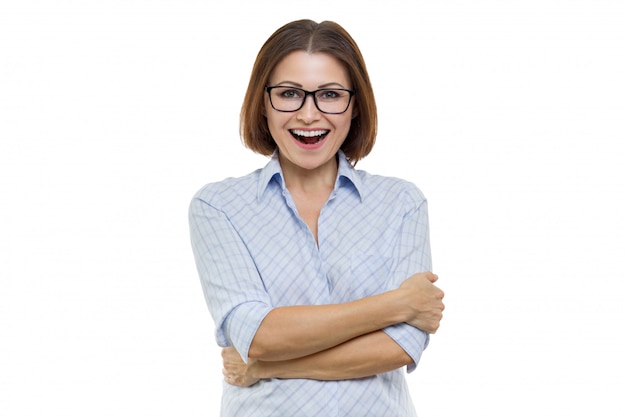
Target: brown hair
[306,35]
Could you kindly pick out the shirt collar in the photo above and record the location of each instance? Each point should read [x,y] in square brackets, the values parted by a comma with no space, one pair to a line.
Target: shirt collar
[346,174]
[271,170]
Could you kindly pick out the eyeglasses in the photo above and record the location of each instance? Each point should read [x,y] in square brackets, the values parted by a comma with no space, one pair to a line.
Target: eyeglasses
[327,100]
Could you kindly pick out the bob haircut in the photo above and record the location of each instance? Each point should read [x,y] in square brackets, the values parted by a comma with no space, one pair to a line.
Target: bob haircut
[306,35]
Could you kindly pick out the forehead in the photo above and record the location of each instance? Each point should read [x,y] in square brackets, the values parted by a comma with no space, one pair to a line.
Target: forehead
[310,70]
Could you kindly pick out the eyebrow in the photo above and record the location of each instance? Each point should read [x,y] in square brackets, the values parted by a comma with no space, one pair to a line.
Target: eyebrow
[327,85]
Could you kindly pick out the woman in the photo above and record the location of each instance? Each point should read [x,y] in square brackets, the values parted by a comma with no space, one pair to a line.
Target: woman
[315,273]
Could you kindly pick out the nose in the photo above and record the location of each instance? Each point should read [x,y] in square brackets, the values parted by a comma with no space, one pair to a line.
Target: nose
[309,111]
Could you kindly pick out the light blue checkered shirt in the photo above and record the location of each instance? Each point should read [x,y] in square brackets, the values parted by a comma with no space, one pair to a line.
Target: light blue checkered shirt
[254,253]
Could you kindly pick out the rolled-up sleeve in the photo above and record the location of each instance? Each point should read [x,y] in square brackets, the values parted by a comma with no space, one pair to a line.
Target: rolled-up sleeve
[411,255]
[233,290]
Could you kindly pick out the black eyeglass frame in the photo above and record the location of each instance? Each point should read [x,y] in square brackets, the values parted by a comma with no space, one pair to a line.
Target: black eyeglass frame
[307,93]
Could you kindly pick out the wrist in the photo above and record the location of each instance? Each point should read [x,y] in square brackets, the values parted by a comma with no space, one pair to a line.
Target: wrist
[399,310]
[259,370]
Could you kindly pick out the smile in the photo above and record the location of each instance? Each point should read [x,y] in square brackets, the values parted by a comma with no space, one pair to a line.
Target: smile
[309,137]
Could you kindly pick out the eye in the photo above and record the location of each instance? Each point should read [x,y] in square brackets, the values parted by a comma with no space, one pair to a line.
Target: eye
[329,95]
[290,93]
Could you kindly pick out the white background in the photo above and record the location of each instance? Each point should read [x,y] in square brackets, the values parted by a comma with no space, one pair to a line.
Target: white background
[509,115]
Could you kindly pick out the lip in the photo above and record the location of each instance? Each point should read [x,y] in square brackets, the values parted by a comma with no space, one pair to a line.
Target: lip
[309,146]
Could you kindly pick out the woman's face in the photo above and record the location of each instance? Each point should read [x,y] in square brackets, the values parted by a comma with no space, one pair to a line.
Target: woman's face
[307,138]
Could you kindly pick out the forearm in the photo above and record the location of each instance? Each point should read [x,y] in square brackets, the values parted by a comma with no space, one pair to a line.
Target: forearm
[298,331]
[364,356]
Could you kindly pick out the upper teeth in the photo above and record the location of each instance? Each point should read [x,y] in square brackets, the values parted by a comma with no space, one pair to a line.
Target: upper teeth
[309,133]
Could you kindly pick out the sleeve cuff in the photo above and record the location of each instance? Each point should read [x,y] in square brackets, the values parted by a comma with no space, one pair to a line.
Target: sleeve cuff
[242,324]
[414,341]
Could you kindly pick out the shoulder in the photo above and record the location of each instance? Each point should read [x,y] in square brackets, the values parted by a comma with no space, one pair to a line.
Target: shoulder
[229,190]
[391,189]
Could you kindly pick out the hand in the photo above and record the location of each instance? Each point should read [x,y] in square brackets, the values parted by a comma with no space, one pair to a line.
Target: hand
[424,301]
[235,371]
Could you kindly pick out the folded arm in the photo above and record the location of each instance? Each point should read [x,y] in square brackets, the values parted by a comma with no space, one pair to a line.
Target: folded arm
[298,331]
[363,356]
[287,339]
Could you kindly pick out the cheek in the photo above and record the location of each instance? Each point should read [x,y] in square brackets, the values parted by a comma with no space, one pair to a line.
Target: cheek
[275,124]
[346,122]
[278,119]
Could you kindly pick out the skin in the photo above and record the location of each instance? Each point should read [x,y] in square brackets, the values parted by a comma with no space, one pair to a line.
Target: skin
[326,342]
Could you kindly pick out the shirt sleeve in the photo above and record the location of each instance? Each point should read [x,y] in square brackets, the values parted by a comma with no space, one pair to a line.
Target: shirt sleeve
[233,289]
[411,255]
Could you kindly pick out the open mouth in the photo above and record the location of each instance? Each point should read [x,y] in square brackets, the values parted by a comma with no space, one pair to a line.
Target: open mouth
[309,137]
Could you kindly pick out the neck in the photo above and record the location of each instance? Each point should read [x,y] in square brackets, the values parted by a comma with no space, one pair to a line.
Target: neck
[314,180]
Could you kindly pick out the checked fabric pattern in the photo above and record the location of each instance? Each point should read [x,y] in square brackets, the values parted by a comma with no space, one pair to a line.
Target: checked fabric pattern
[254,252]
